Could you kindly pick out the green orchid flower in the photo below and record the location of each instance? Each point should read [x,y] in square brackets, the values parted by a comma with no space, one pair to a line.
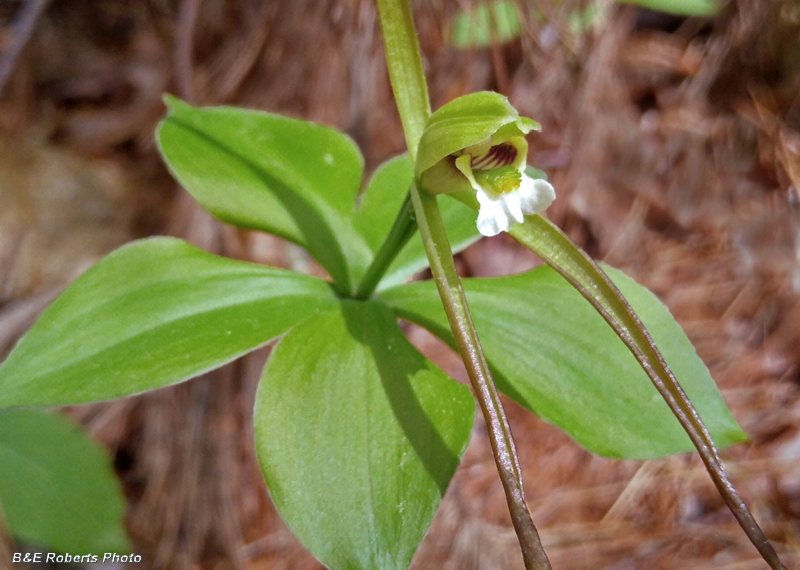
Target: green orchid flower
[477,142]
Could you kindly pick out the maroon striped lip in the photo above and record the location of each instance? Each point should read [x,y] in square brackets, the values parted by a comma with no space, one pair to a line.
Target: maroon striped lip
[503,154]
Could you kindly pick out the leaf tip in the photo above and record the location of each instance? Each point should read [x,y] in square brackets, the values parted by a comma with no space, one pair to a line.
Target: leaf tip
[171,101]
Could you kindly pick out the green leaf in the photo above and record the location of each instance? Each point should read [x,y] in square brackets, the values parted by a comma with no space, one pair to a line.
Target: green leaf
[382,200]
[403,60]
[358,436]
[459,220]
[486,23]
[551,244]
[57,487]
[383,197]
[153,313]
[261,171]
[582,20]
[680,7]
[552,353]
[466,121]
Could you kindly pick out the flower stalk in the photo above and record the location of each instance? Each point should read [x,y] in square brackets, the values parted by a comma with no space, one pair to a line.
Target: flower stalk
[403,228]
[411,94]
[493,169]
[555,248]
[440,256]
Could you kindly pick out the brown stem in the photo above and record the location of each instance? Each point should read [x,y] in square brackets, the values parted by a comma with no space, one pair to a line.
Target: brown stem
[23,31]
[440,256]
[557,250]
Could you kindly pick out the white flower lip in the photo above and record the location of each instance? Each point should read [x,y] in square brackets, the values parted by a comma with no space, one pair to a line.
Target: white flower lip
[498,211]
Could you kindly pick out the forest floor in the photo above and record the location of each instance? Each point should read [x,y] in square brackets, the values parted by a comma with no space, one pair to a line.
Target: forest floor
[674,146]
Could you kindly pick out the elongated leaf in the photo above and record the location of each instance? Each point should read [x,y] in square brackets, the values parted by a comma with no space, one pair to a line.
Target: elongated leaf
[382,200]
[256,170]
[56,485]
[152,313]
[358,436]
[555,355]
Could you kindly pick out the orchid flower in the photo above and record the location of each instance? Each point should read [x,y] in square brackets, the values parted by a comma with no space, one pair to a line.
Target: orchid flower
[505,193]
[495,170]
[476,143]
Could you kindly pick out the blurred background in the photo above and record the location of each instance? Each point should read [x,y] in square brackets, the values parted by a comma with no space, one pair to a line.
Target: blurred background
[674,146]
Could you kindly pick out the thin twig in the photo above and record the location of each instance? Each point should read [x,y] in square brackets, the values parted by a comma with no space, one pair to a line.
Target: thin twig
[23,30]
[184,49]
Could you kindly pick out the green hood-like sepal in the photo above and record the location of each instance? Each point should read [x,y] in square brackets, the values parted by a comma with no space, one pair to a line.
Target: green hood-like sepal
[474,119]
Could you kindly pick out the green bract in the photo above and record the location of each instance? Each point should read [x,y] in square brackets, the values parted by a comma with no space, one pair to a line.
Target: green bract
[466,121]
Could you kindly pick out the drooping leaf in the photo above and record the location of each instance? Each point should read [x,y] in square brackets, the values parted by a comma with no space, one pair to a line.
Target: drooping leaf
[551,352]
[57,487]
[485,23]
[153,313]
[382,199]
[358,436]
[262,171]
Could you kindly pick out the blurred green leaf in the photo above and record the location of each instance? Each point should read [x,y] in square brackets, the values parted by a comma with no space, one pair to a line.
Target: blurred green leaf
[57,487]
[382,199]
[679,7]
[358,436]
[261,171]
[535,173]
[552,353]
[486,23]
[582,20]
[153,313]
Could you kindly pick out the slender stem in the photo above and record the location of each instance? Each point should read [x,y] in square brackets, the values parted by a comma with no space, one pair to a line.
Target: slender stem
[411,94]
[555,248]
[448,283]
[405,68]
[404,227]
[184,49]
[23,30]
